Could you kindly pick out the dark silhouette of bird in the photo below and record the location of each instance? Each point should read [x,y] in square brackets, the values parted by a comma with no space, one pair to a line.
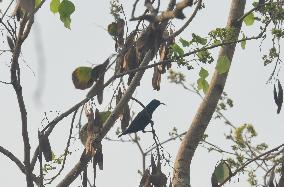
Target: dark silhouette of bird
[278,98]
[143,118]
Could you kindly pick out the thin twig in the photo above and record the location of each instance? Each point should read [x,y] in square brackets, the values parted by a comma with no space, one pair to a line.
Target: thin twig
[15,80]
[3,82]
[135,140]
[186,23]
[250,161]
[134,8]
[7,9]
[20,165]
[78,168]
[65,151]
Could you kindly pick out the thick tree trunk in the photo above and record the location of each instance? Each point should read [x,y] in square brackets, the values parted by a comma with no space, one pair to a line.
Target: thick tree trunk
[181,172]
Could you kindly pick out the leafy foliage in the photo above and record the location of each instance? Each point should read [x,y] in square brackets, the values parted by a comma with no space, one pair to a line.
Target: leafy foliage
[243,43]
[249,19]
[54,4]
[222,171]
[65,8]
[202,84]
[223,64]
[82,78]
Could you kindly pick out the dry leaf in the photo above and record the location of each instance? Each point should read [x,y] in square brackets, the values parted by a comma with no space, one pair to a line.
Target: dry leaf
[120,32]
[120,60]
[130,40]
[129,62]
[90,132]
[98,122]
[145,182]
[141,45]
[99,158]
[157,178]
[118,96]
[100,94]
[45,147]
[164,55]
[98,88]
[10,43]
[153,165]
[156,79]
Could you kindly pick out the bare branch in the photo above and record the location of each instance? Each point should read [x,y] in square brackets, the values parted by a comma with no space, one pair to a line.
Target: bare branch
[206,109]
[73,174]
[15,80]
[187,22]
[12,157]
[21,166]
[3,82]
[134,8]
[175,13]
[65,151]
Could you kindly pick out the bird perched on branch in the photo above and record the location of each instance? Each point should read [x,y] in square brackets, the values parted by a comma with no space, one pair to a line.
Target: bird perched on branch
[143,118]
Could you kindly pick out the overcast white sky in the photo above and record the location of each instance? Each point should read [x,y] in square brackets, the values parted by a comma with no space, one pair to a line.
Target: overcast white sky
[88,43]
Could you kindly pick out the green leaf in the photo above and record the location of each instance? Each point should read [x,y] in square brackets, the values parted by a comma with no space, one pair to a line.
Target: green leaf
[112,29]
[217,42]
[54,4]
[202,84]
[223,64]
[198,39]
[37,2]
[82,78]
[222,172]
[65,9]
[244,42]
[104,115]
[184,42]
[177,49]
[203,73]
[66,21]
[249,19]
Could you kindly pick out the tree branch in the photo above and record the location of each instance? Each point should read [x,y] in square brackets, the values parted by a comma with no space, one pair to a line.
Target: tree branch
[65,151]
[15,80]
[250,161]
[170,14]
[181,175]
[20,165]
[187,22]
[74,173]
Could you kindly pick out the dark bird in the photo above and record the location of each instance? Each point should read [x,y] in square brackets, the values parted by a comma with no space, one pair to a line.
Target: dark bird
[278,98]
[143,118]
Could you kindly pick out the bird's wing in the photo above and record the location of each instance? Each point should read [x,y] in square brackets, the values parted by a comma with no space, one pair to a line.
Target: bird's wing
[139,122]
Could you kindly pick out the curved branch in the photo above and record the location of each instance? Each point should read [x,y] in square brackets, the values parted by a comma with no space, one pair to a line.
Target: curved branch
[15,80]
[12,157]
[78,168]
[187,22]
[65,151]
[170,14]
[20,165]
[181,175]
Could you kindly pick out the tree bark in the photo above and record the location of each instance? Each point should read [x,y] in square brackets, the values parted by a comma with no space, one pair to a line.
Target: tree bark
[181,172]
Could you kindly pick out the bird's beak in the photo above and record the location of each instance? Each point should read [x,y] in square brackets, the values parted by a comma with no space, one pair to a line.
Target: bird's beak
[163,104]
